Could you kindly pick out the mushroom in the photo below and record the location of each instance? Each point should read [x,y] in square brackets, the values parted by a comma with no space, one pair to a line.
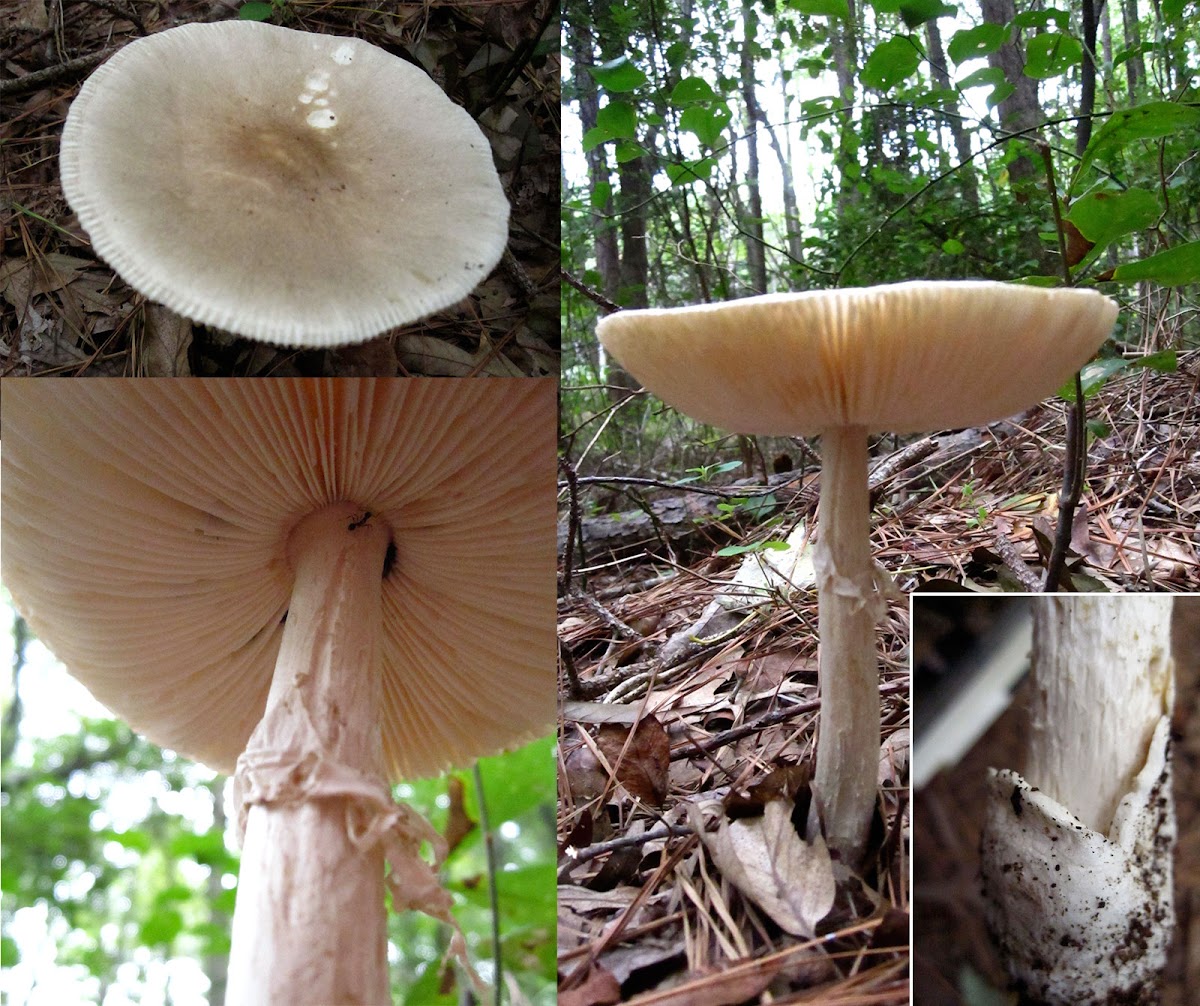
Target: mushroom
[296,188]
[1076,852]
[321,584]
[909,357]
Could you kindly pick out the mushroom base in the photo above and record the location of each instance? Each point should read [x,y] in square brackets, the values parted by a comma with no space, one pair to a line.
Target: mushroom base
[1082,918]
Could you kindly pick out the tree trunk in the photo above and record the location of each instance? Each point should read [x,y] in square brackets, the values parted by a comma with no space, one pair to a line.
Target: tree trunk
[1135,67]
[752,220]
[844,42]
[1076,855]
[1087,84]
[1019,111]
[962,142]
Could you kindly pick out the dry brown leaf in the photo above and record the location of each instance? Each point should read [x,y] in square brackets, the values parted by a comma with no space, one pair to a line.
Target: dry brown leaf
[599,988]
[458,823]
[423,354]
[586,778]
[739,983]
[767,860]
[165,344]
[644,766]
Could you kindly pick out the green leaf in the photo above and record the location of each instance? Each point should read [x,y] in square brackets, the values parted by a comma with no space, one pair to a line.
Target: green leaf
[706,123]
[1142,122]
[952,247]
[690,171]
[759,546]
[972,43]
[628,152]
[618,119]
[1165,362]
[1176,266]
[1051,54]
[594,137]
[161,927]
[1043,18]
[618,75]
[601,194]
[890,63]
[987,76]
[999,93]
[822,8]
[10,954]
[515,783]
[916,12]
[678,54]
[255,11]
[1105,216]
[692,89]
[1093,376]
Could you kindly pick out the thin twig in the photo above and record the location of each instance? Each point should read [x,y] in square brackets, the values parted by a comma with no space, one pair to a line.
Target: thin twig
[53,74]
[489,845]
[1075,462]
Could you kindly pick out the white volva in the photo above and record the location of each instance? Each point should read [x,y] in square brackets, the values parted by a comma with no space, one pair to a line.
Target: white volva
[1076,854]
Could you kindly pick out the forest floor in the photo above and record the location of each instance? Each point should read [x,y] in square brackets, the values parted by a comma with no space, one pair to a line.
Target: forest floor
[63,311]
[645,912]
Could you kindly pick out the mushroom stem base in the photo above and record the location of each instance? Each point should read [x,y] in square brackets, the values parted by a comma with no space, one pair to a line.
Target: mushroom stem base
[848,611]
[310,923]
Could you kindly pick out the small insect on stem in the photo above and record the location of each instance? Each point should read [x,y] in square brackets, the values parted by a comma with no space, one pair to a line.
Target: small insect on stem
[1017,803]
[359,521]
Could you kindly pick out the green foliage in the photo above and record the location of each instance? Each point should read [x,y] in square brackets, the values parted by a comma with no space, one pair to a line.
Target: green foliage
[1051,54]
[838,9]
[891,62]
[1151,120]
[618,76]
[977,42]
[257,11]
[706,473]
[1105,214]
[758,546]
[1176,266]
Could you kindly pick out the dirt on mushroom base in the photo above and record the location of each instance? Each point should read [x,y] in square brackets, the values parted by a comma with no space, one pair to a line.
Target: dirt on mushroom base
[949,933]
[680,924]
[62,311]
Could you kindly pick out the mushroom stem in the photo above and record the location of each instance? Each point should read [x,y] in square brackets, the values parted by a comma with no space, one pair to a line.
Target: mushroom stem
[1076,856]
[848,610]
[310,923]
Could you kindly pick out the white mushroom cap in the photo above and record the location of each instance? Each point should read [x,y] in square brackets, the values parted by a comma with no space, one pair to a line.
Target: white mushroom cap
[145,528]
[911,357]
[301,189]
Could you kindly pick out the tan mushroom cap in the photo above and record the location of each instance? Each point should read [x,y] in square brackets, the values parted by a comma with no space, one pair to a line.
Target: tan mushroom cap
[301,189]
[145,528]
[908,358]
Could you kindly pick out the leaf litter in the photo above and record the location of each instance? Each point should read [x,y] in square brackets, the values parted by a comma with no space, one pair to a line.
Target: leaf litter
[694,878]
